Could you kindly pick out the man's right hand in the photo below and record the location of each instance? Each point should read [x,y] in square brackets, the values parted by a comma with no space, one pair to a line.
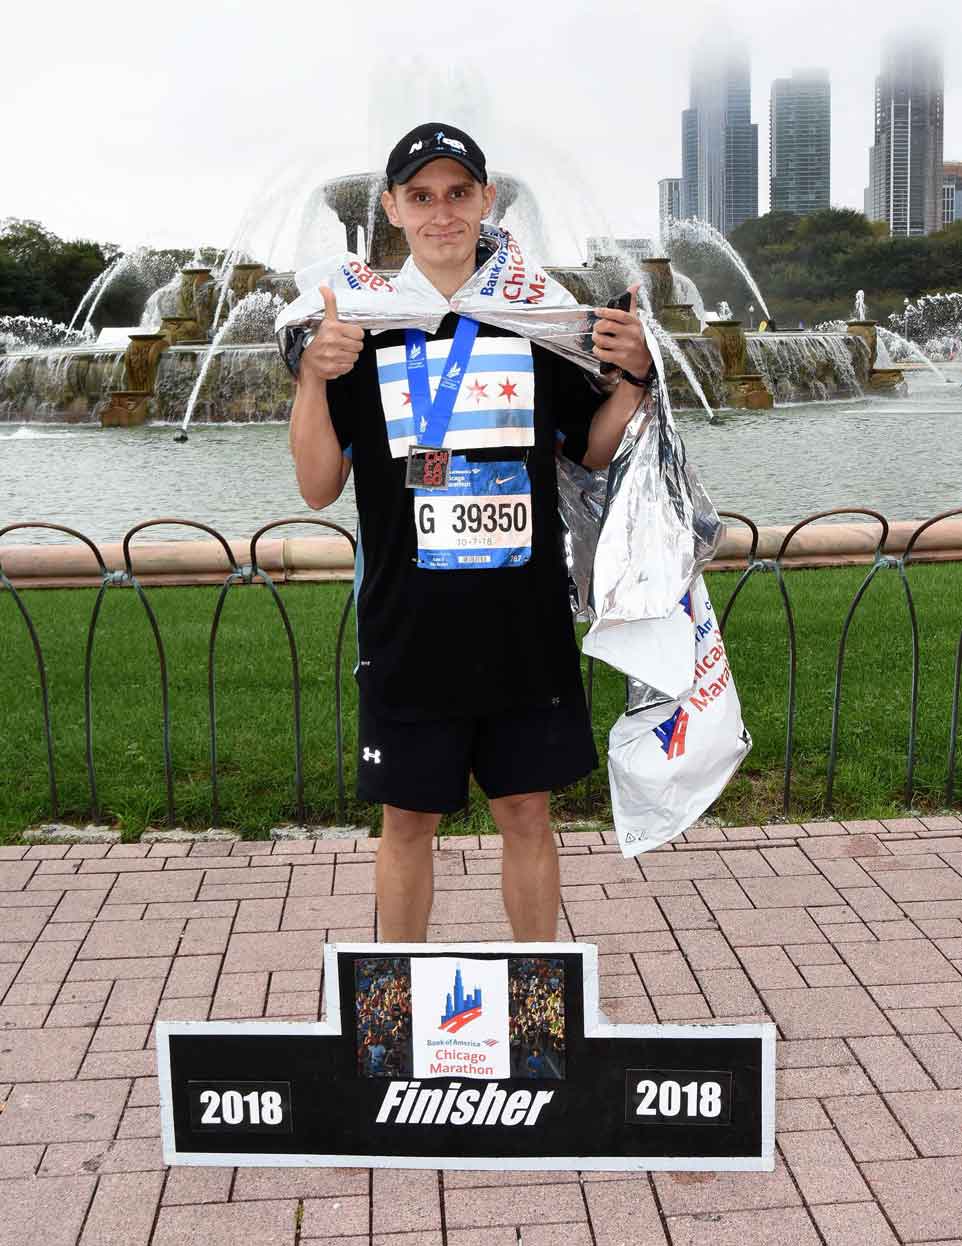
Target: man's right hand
[337,345]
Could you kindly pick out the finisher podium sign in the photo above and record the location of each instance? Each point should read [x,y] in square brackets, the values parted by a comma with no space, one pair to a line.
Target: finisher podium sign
[467,1056]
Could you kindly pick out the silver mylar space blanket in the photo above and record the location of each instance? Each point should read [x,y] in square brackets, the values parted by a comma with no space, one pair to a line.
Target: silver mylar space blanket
[637,535]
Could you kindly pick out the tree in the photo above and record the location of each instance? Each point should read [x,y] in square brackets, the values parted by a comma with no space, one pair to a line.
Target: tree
[41,275]
[821,260]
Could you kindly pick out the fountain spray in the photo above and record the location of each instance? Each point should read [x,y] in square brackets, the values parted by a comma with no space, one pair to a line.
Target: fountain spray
[705,236]
[258,311]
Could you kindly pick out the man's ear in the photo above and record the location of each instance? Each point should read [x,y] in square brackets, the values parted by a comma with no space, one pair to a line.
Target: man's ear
[489,193]
[390,208]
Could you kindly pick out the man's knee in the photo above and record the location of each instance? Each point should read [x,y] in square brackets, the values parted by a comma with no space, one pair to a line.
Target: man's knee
[527,811]
[408,825]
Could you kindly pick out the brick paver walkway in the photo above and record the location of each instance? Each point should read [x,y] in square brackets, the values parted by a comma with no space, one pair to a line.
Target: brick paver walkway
[848,936]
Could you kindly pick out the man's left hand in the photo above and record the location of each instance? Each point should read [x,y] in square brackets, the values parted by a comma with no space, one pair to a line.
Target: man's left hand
[619,339]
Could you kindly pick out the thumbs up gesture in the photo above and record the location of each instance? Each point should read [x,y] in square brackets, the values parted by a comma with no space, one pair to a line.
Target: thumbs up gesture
[337,345]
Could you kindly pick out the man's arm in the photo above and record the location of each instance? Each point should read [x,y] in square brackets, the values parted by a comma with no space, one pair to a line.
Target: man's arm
[618,339]
[321,466]
[609,424]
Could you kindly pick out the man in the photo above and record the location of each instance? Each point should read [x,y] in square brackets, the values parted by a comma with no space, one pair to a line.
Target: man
[468,662]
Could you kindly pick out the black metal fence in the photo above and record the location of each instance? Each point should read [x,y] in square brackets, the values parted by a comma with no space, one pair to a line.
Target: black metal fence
[249,573]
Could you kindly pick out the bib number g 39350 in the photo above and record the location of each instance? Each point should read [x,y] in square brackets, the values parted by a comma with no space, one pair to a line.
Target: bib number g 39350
[481,520]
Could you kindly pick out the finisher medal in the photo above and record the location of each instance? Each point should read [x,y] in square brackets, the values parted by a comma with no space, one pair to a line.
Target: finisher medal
[428,467]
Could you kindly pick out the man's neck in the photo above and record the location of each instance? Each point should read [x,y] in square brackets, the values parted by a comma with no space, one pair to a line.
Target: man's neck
[447,281]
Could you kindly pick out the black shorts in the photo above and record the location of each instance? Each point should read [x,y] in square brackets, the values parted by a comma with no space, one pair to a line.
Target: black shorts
[425,766]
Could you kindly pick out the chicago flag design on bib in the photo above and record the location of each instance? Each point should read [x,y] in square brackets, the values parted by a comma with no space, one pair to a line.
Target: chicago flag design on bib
[459,1011]
[494,407]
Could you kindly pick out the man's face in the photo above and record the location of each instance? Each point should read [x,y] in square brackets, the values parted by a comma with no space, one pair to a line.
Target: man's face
[440,210]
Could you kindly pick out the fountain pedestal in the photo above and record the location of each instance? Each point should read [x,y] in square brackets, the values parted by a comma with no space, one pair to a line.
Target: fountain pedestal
[244,278]
[880,380]
[141,359]
[125,409]
[886,380]
[744,390]
[182,331]
[661,283]
[197,298]
[680,318]
[748,392]
[867,330]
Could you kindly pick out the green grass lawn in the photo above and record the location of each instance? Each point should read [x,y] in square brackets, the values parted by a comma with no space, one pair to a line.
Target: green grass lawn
[255,721]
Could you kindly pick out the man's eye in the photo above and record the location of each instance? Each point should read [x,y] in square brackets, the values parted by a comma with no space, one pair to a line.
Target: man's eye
[421,197]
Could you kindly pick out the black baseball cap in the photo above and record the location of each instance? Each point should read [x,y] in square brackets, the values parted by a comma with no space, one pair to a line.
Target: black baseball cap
[432,141]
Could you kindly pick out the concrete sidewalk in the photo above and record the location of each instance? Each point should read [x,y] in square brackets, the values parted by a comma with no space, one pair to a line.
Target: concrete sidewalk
[848,936]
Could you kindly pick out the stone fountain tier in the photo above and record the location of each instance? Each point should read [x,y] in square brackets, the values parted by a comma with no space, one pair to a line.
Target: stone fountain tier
[58,385]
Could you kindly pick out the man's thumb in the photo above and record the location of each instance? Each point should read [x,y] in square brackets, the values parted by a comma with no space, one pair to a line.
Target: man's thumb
[330,303]
[633,304]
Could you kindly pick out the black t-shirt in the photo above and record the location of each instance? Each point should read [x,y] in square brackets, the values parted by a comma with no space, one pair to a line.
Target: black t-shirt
[474,639]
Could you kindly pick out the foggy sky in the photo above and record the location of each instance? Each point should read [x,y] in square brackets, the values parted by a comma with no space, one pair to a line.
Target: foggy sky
[160,125]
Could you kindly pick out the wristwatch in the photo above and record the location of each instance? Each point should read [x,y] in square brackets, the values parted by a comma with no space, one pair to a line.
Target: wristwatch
[644,382]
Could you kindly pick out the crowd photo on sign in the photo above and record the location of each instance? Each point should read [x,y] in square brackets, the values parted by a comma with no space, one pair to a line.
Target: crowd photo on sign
[383,1016]
[382,1009]
[536,1010]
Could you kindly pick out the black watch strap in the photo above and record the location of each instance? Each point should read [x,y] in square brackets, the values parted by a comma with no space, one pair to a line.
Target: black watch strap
[644,382]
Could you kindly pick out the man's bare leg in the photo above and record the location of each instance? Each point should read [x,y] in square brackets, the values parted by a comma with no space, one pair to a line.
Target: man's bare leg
[405,875]
[530,877]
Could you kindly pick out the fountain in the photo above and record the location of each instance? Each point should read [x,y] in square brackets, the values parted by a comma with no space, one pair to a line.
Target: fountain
[184,362]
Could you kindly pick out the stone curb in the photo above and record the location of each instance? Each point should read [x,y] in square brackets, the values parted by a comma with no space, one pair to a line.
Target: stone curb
[64,833]
[178,835]
[282,833]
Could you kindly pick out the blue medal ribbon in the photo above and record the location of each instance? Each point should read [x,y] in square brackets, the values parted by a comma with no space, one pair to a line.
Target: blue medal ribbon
[431,419]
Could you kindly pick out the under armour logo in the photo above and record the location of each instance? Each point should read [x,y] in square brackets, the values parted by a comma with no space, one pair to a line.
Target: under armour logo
[372,755]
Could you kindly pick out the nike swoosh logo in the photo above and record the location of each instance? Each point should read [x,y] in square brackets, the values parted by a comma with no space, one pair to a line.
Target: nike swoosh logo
[503,480]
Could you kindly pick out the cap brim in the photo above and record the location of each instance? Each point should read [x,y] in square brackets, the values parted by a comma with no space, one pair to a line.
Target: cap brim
[408,171]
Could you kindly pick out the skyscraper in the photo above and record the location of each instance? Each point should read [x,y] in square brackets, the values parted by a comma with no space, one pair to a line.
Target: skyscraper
[669,200]
[689,162]
[905,162]
[719,141]
[951,192]
[800,140]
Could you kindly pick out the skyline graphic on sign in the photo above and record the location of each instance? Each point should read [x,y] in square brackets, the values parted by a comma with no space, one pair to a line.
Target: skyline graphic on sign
[461,1008]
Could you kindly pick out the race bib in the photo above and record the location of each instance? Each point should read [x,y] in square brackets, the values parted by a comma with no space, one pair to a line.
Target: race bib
[482,519]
